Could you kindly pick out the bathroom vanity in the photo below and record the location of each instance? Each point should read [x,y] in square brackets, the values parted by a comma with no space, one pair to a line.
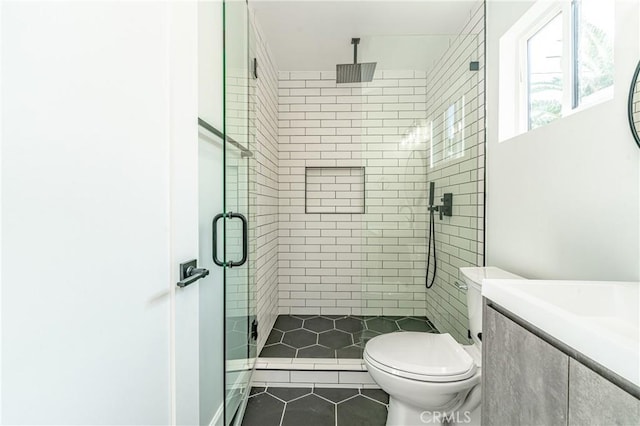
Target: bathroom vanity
[560,353]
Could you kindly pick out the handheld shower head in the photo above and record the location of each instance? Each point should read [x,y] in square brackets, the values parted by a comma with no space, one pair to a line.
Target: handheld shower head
[432,189]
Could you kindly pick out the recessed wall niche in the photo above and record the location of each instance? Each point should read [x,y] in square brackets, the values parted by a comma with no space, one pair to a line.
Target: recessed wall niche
[334,190]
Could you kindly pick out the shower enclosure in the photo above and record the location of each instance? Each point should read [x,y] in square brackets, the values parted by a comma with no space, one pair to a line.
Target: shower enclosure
[431,131]
[355,163]
[334,197]
[239,213]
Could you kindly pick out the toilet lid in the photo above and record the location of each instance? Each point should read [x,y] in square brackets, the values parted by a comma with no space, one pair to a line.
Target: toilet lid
[420,356]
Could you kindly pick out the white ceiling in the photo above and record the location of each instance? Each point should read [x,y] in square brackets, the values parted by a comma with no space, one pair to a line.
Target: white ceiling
[316,35]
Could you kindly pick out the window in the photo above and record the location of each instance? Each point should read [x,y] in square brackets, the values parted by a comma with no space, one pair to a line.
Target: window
[558,58]
[544,74]
[593,50]
[447,136]
[453,137]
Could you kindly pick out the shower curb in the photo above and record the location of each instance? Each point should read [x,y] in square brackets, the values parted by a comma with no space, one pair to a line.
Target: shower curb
[312,372]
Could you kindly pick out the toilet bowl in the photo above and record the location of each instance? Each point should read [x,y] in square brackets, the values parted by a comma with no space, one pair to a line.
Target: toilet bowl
[426,375]
[431,378]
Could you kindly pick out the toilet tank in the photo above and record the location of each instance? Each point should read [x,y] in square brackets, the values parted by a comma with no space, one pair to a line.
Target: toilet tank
[473,277]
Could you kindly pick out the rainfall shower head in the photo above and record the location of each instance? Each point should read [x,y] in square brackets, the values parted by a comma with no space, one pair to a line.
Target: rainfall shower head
[355,72]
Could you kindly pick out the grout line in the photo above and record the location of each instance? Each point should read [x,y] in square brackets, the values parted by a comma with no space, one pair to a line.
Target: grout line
[302,396]
[276,397]
[322,397]
[284,410]
[374,400]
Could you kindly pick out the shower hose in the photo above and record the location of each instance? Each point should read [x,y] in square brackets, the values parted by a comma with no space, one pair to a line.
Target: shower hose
[432,241]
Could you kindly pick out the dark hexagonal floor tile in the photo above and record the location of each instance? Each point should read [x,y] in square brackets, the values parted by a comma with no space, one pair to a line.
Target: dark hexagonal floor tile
[274,337]
[350,325]
[286,323]
[316,351]
[413,324]
[336,394]
[350,352]
[278,351]
[377,394]
[264,410]
[288,394]
[299,338]
[257,390]
[335,339]
[382,325]
[335,316]
[318,324]
[361,411]
[429,323]
[309,410]
[360,339]
[392,317]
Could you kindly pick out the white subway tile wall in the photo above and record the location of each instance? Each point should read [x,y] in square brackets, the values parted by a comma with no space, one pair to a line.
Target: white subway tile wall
[456,165]
[264,193]
[367,263]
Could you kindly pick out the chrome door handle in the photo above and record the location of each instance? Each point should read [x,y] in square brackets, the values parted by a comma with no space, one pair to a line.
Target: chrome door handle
[190,274]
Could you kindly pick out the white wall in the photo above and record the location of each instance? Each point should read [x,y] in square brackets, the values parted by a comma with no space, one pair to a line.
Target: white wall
[563,200]
[89,113]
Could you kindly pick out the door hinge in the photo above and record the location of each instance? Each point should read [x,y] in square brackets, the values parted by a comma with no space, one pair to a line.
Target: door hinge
[254,329]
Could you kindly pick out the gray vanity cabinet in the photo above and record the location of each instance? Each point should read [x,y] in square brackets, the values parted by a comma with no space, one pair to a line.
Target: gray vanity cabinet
[593,400]
[528,381]
[525,380]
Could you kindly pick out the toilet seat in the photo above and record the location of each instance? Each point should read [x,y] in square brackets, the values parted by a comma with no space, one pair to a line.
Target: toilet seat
[419,356]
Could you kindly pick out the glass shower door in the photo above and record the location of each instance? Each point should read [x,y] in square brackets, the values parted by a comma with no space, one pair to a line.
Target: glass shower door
[239,284]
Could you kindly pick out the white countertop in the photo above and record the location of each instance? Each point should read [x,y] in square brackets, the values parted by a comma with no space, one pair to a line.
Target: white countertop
[598,319]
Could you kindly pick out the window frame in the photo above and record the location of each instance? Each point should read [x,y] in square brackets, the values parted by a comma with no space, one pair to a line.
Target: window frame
[543,19]
[513,91]
[525,69]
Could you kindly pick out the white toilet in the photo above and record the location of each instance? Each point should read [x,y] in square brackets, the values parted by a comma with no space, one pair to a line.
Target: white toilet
[431,378]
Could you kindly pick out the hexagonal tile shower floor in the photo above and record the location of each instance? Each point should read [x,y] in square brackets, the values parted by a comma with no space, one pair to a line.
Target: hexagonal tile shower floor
[316,407]
[333,336]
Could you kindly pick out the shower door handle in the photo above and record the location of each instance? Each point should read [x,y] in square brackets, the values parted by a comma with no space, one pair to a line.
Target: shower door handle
[245,236]
[215,239]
